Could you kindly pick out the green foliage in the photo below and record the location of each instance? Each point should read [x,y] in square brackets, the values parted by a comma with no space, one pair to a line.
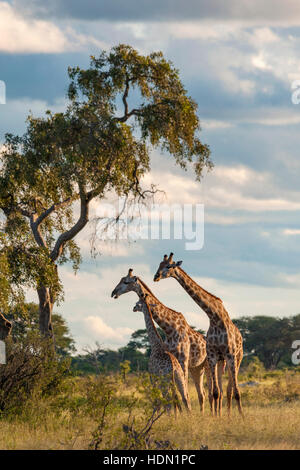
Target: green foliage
[145,406]
[269,338]
[107,360]
[10,294]
[25,318]
[165,115]
[255,368]
[139,340]
[267,345]
[31,370]
[87,151]
[125,369]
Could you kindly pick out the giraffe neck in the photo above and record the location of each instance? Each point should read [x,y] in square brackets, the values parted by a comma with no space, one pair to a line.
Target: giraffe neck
[162,315]
[154,338]
[212,305]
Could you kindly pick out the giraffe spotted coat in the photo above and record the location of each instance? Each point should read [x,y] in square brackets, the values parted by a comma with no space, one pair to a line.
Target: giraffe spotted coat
[187,345]
[161,361]
[224,341]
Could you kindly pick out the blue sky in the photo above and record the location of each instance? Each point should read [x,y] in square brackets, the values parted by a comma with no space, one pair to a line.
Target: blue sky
[238,60]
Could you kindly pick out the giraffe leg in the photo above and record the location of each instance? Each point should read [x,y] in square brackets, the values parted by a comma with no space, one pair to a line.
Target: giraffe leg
[168,395]
[197,374]
[183,360]
[182,388]
[209,383]
[176,401]
[229,393]
[220,371]
[234,367]
[212,361]
[230,382]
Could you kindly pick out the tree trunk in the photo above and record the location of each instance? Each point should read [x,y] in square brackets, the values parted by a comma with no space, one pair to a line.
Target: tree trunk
[45,310]
[5,327]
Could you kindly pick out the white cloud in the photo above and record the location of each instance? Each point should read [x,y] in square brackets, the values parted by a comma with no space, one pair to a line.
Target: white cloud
[204,30]
[259,62]
[228,187]
[15,112]
[24,35]
[105,334]
[212,124]
[89,309]
[20,34]
[221,219]
[246,299]
[238,175]
[291,231]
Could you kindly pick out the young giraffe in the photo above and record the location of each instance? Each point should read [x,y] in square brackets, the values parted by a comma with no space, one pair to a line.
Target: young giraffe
[224,341]
[161,361]
[187,345]
[5,327]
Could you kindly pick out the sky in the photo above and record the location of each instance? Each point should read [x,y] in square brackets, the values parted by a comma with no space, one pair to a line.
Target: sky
[239,60]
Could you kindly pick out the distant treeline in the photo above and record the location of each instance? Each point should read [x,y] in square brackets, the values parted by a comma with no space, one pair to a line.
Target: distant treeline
[267,338]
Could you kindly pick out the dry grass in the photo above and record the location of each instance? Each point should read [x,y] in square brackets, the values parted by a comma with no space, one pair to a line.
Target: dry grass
[272,427]
[272,421]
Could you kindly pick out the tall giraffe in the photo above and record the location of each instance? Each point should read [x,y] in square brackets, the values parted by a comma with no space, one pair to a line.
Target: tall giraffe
[224,341]
[187,345]
[5,327]
[162,363]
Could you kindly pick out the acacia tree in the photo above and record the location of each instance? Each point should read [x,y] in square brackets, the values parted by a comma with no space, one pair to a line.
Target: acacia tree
[99,144]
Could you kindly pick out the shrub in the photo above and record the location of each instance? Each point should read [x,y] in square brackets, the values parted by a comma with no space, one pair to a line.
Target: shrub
[31,369]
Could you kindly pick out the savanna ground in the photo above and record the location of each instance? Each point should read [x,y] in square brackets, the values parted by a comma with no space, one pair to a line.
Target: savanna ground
[110,412]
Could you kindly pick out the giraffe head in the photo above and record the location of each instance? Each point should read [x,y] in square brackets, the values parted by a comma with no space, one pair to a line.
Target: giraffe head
[127,284]
[138,306]
[141,302]
[166,268]
[5,327]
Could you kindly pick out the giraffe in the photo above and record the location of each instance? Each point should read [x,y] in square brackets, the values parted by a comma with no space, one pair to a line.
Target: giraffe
[162,363]
[5,327]
[187,345]
[224,341]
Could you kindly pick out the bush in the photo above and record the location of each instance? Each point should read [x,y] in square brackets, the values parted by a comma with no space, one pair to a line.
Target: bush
[31,369]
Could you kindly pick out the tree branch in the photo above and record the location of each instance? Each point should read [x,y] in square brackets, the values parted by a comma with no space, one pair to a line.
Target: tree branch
[80,224]
[53,208]
[124,118]
[36,231]
[127,114]
[9,208]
